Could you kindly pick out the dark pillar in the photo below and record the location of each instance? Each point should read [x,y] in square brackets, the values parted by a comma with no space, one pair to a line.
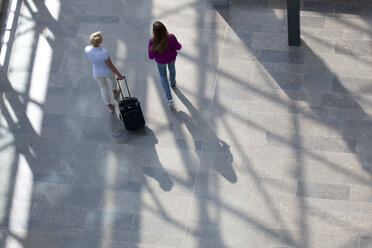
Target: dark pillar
[220,3]
[293,13]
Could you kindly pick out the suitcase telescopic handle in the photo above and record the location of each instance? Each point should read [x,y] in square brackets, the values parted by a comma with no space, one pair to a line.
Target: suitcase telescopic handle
[126,84]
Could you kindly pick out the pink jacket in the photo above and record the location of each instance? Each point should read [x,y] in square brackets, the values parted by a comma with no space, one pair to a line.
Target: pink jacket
[169,54]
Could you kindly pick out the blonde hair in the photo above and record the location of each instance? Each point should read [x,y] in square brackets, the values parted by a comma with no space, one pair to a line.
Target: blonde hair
[95,39]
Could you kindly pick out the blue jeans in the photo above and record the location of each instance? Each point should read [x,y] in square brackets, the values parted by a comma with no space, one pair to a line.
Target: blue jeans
[164,79]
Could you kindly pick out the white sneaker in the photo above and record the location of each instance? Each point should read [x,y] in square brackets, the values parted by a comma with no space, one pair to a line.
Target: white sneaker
[170,103]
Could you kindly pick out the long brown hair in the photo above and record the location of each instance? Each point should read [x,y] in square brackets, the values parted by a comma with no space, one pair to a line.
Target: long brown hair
[160,37]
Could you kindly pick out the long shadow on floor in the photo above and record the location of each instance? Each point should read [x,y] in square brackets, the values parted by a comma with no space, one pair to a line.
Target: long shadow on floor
[214,155]
[150,163]
[212,147]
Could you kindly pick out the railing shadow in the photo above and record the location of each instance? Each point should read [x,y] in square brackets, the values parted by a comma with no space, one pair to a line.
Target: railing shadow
[312,95]
[45,202]
[86,187]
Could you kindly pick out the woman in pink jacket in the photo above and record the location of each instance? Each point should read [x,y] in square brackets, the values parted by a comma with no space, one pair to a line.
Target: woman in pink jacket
[163,48]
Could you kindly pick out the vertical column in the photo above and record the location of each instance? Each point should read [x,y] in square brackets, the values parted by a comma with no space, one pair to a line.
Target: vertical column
[220,3]
[293,13]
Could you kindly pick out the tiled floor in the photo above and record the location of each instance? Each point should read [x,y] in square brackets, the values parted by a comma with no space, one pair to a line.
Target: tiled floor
[268,145]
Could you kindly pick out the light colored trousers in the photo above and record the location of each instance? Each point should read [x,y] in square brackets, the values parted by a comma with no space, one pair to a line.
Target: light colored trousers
[103,82]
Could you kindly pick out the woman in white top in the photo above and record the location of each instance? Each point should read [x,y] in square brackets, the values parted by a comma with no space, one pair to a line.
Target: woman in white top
[103,69]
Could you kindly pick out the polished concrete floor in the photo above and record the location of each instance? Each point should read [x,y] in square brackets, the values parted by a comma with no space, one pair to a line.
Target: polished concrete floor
[267,146]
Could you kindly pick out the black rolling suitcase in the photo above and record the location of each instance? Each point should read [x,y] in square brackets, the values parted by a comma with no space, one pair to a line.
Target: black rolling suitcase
[130,110]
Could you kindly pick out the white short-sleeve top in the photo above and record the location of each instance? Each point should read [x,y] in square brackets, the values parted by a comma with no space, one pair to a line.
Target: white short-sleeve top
[98,56]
